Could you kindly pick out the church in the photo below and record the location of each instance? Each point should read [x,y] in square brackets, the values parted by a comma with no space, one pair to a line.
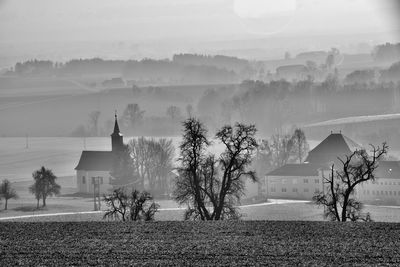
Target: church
[98,165]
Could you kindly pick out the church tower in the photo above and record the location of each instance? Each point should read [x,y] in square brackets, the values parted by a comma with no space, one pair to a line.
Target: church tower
[117,141]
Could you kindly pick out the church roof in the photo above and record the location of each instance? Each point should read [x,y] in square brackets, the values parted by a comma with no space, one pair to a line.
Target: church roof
[334,146]
[95,161]
[304,169]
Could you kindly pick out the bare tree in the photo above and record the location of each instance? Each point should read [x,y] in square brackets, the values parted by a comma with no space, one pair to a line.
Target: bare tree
[282,149]
[133,115]
[117,204]
[139,207]
[135,206]
[7,192]
[152,161]
[192,156]
[173,112]
[94,123]
[300,144]
[45,185]
[239,144]
[339,199]
[212,187]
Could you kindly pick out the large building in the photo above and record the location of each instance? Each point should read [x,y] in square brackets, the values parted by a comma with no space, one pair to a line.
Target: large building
[386,188]
[98,165]
[302,181]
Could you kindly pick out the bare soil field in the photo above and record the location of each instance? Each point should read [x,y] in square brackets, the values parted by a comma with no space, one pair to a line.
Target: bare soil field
[229,243]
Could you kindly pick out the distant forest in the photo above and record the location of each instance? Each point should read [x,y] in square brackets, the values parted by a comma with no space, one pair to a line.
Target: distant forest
[205,69]
[182,69]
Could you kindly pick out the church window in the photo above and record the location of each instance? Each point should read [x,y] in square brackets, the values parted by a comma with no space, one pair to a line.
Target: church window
[83,180]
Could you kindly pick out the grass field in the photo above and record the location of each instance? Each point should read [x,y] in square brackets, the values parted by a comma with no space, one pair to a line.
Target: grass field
[226,243]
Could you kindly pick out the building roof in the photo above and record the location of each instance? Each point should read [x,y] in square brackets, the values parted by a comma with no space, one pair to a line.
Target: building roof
[334,146]
[388,169]
[304,169]
[95,161]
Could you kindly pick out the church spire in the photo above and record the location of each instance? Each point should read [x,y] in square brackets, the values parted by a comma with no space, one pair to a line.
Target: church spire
[116,127]
[117,141]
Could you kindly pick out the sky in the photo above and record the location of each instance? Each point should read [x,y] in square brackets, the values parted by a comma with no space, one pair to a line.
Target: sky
[43,21]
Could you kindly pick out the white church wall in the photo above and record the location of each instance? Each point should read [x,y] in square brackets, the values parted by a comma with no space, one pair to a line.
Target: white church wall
[85,181]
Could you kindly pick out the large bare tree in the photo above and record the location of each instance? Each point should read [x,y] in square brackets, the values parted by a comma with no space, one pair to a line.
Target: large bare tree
[338,196]
[210,186]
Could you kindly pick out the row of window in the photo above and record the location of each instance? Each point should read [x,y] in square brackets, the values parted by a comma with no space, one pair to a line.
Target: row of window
[305,180]
[294,190]
[381,192]
[384,183]
[84,180]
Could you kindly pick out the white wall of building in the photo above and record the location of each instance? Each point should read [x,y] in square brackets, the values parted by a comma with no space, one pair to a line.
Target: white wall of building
[380,191]
[291,187]
[85,181]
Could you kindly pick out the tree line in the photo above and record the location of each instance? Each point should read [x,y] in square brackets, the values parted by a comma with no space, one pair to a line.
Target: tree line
[183,68]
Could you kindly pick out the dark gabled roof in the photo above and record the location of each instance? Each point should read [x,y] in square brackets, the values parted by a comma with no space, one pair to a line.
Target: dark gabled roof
[304,169]
[388,169]
[95,161]
[334,146]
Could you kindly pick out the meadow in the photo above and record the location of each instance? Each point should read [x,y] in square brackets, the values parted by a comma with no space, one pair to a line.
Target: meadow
[229,243]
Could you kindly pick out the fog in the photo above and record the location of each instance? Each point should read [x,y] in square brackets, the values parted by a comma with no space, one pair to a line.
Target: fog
[68,67]
[61,30]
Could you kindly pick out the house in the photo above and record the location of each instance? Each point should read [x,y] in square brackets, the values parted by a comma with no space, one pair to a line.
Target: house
[98,165]
[302,181]
[293,181]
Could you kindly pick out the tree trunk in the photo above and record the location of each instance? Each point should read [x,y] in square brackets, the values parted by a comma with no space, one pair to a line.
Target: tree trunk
[344,209]
[37,205]
[5,207]
[44,201]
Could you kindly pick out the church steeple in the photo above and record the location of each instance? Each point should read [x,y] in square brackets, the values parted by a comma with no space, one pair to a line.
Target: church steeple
[116,127]
[116,137]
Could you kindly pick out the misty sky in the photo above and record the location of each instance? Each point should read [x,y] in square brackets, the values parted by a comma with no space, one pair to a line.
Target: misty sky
[60,20]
